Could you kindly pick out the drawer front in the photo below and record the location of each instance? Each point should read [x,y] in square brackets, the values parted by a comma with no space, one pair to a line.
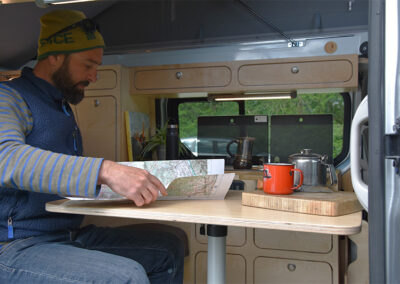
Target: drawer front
[292,73]
[106,80]
[292,241]
[200,77]
[280,270]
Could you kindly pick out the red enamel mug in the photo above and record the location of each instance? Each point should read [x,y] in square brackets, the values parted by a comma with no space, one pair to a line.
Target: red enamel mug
[279,178]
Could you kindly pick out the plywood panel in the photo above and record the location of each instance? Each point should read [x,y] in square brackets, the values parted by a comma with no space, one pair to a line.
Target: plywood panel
[216,76]
[280,270]
[97,119]
[292,73]
[292,241]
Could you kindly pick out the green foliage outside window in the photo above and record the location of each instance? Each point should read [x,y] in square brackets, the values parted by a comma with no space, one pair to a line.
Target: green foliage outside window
[188,113]
[306,104]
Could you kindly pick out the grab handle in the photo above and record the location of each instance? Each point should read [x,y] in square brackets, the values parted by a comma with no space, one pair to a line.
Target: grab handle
[360,187]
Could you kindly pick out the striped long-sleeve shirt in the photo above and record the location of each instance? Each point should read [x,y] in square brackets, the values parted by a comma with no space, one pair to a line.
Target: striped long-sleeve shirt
[40,150]
[23,166]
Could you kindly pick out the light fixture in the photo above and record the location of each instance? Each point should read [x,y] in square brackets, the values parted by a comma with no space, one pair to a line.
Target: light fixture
[252,96]
[46,3]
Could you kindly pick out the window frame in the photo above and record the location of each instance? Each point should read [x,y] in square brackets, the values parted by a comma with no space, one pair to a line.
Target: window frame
[173,108]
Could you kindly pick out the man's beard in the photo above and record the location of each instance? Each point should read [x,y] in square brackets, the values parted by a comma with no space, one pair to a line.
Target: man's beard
[63,82]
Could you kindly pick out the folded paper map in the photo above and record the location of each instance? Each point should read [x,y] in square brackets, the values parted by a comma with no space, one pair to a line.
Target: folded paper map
[184,179]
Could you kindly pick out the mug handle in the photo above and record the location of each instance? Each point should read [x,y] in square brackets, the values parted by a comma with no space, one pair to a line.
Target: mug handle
[228,146]
[301,178]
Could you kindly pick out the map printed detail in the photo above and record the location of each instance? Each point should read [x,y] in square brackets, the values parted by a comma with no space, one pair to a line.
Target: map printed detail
[167,171]
[199,187]
[184,179]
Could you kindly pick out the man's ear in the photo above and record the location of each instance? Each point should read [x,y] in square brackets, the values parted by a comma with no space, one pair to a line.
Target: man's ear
[56,60]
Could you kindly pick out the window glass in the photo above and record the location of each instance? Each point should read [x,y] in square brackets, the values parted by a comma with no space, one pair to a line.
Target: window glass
[188,112]
[324,103]
[332,103]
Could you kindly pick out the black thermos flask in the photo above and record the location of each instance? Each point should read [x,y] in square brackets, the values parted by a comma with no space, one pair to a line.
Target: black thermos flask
[172,142]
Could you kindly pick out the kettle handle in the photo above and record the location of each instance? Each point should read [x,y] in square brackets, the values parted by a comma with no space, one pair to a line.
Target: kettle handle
[332,173]
[228,146]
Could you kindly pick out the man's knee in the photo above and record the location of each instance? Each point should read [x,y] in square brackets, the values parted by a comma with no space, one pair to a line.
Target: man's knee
[128,271]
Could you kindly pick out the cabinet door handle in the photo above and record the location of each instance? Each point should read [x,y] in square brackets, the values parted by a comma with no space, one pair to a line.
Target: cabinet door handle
[179,75]
[96,103]
[295,69]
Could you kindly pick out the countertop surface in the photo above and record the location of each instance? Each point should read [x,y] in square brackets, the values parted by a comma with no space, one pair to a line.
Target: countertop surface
[228,212]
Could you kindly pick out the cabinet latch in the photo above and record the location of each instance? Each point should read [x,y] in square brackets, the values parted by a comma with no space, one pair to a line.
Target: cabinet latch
[392,146]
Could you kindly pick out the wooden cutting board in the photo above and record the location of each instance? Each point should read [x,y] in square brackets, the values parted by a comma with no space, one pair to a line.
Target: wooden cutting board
[317,203]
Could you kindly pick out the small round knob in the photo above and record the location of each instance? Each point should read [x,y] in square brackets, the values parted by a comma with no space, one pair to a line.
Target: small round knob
[179,75]
[295,69]
[96,103]
[291,267]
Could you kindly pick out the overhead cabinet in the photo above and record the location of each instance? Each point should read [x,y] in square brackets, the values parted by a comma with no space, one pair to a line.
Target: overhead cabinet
[177,78]
[339,71]
[299,73]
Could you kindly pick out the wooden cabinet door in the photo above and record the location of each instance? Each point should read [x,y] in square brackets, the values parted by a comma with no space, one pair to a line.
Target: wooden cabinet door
[97,120]
[281,270]
[292,241]
[178,78]
[296,73]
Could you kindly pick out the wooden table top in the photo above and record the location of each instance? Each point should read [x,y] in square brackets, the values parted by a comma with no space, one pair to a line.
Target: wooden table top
[229,212]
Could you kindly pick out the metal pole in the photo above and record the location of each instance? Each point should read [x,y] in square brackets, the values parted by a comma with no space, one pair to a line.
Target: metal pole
[216,263]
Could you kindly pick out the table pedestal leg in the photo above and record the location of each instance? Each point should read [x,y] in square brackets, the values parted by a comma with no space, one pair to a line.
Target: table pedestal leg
[216,254]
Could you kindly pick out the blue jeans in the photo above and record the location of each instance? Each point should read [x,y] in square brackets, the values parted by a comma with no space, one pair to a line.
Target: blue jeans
[94,255]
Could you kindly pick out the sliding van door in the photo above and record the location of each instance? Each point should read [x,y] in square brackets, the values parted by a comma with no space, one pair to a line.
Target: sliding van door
[384,144]
[391,129]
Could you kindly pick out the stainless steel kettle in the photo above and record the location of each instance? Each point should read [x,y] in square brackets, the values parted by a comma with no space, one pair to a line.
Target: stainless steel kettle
[314,168]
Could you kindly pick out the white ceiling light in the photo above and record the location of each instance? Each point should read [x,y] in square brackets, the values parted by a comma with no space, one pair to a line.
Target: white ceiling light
[46,3]
[252,96]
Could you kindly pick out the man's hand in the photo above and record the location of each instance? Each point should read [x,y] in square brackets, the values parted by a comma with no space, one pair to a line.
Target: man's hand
[135,184]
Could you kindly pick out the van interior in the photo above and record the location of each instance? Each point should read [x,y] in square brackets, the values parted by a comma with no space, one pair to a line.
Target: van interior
[289,74]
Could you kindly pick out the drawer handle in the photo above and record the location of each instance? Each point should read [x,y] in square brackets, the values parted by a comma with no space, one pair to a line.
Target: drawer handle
[291,267]
[295,69]
[179,75]
[96,102]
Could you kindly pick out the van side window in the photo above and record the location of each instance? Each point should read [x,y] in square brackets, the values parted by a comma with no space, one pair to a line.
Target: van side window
[336,104]
[330,103]
[188,112]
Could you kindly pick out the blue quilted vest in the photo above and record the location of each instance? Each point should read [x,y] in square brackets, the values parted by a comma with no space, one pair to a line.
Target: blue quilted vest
[22,212]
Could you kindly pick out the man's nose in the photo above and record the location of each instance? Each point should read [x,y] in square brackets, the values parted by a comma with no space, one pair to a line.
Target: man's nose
[92,76]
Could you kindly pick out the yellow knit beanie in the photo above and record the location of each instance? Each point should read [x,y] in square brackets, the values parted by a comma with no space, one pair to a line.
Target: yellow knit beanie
[70,39]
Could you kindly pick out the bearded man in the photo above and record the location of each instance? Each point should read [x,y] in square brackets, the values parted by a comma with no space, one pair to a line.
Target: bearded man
[40,159]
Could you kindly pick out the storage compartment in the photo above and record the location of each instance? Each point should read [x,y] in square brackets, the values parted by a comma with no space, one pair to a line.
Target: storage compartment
[300,73]
[176,78]
[292,241]
[97,119]
[280,270]
[235,268]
